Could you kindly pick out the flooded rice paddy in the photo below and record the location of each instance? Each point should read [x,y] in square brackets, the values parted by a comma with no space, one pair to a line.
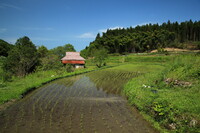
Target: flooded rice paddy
[86,103]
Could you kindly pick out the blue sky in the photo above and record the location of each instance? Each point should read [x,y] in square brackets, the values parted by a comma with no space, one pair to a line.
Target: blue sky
[57,22]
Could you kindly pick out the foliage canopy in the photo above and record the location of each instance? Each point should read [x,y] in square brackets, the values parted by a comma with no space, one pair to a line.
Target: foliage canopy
[61,50]
[145,38]
[4,48]
[23,58]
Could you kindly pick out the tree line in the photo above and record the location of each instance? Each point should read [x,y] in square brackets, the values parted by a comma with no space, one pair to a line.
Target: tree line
[146,38]
[24,57]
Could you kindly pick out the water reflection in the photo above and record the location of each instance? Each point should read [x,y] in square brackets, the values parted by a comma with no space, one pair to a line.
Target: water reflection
[111,82]
[84,103]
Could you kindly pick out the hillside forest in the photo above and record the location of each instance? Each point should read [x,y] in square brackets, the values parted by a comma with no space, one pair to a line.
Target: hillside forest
[146,38]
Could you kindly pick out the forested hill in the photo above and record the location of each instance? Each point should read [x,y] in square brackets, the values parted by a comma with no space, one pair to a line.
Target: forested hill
[146,37]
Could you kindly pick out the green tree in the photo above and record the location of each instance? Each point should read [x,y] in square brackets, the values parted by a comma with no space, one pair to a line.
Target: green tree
[4,75]
[84,53]
[4,48]
[100,56]
[22,59]
[69,48]
[61,50]
[146,37]
[42,51]
[51,61]
[98,36]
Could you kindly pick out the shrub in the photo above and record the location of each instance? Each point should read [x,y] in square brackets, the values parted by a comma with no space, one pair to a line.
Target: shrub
[6,76]
[100,57]
[49,62]
[163,111]
[69,68]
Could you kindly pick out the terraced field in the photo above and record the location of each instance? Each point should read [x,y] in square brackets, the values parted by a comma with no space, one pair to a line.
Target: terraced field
[87,103]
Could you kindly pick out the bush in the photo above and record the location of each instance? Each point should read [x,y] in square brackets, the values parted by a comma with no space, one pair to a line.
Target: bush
[6,76]
[163,111]
[162,51]
[49,62]
[100,57]
[69,68]
[198,45]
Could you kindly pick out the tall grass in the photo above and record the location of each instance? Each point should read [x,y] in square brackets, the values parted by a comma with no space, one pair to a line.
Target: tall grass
[173,106]
[185,67]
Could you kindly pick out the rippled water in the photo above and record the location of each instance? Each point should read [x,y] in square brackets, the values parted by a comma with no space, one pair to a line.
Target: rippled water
[86,103]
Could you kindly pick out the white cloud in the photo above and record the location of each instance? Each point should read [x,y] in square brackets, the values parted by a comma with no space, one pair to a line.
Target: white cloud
[111,28]
[93,35]
[102,30]
[4,5]
[116,27]
[2,30]
[87,35]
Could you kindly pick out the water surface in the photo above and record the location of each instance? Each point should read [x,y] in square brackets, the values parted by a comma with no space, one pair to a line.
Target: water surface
[87,103]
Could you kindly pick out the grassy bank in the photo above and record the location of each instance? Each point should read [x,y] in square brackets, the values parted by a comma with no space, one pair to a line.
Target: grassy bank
[20,86]
[169,98]
[165,90]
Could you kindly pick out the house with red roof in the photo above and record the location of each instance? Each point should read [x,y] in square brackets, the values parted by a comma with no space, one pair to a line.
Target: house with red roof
[75,59]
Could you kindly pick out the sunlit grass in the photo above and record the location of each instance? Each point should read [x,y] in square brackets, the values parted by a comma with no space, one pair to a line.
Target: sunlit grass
[19,86]
[177,104]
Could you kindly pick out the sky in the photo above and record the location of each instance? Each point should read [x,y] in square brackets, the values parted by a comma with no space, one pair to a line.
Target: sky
[55,23]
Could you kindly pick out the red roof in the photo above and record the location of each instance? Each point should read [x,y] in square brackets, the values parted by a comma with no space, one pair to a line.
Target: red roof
[73,56]
[72,62]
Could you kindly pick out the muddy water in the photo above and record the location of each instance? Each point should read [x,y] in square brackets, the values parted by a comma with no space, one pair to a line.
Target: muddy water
[87,103]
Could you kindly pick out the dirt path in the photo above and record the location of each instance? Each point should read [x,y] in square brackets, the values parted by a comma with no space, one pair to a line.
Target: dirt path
[86,103]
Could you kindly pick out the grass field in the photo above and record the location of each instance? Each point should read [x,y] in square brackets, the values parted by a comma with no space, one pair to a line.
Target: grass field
[165,89]
[171,96]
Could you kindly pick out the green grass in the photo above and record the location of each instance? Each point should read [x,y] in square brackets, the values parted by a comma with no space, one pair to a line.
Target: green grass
[1,64]
[20,86]
[171,103]
[112,80]
[162,104]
